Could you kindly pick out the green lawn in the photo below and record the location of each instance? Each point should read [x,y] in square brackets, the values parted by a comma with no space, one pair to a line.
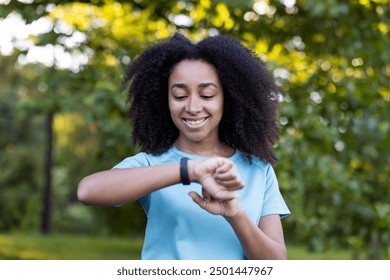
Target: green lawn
[73,247]
[67,247]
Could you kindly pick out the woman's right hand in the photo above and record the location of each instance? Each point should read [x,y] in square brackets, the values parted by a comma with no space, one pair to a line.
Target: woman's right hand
[218,176]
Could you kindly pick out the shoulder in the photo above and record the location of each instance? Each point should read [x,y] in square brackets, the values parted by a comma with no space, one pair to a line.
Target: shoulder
[255,167]
[254,162]
[137,160]
[147,159]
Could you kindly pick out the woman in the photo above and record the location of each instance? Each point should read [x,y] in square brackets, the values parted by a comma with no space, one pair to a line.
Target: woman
[205,117]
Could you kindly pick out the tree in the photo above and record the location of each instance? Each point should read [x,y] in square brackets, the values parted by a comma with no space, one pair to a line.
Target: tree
[329,58]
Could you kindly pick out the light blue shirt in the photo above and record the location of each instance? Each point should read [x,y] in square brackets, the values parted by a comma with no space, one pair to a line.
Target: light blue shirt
[177,228]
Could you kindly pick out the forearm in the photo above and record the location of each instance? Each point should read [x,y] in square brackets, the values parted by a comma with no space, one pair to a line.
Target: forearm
[256,244]
[117,186]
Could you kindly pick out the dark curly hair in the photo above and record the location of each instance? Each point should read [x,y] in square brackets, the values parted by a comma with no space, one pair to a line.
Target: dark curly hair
[249,121]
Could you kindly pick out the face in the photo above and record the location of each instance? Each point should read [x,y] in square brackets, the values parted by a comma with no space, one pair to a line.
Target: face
[195,101]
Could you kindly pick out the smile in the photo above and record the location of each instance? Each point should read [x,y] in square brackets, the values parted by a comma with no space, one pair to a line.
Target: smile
[195,122]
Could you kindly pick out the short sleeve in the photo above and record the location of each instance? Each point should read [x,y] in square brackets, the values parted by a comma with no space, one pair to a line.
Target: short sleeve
[273,202]
[138,160]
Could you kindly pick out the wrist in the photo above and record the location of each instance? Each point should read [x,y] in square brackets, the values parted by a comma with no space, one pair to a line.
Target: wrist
[237,216]
[191,171]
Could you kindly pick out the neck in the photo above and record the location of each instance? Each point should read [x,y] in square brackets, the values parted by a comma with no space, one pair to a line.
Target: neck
[217,149]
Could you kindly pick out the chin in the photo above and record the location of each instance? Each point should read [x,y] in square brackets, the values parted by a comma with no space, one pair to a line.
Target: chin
[195,138]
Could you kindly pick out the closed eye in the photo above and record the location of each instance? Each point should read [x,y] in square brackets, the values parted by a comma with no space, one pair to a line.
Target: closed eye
[179,98]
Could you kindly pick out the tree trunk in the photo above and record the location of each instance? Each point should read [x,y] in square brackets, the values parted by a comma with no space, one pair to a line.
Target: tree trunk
[47,199]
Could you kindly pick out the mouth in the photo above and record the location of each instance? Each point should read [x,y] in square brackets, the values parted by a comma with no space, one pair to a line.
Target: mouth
[195,122]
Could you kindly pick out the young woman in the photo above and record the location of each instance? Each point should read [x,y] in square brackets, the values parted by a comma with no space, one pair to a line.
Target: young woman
[205,117]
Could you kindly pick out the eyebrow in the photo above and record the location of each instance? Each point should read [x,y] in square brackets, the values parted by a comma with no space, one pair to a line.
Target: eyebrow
[201,85]
[204,85]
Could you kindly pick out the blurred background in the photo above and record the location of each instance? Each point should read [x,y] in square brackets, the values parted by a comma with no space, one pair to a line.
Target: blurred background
[63,116]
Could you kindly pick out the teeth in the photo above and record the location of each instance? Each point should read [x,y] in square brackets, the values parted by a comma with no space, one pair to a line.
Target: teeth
[195,122]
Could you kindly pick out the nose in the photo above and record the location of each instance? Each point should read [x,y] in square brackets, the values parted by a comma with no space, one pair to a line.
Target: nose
[194,104]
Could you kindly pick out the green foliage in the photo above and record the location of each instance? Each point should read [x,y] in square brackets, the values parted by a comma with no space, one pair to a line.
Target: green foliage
[330,59]
[20,156]
[20,206]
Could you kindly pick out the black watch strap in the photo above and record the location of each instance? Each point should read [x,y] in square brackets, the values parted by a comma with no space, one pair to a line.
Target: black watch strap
[184,171]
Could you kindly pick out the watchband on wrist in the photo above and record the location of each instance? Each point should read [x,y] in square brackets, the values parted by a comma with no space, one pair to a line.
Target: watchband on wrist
[184,171]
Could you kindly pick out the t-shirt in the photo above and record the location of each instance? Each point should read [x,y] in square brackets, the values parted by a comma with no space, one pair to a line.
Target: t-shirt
[177,228]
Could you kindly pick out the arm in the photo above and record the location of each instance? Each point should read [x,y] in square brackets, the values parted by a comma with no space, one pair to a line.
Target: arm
[117,186]
[265,241]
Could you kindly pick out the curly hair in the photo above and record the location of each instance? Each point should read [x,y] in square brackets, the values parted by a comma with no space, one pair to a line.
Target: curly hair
[249,121]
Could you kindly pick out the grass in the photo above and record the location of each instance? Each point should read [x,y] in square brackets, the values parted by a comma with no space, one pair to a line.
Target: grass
[296,252]
[74,247]
[67,247]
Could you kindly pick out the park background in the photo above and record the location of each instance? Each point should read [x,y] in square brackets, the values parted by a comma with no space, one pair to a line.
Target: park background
[63,116]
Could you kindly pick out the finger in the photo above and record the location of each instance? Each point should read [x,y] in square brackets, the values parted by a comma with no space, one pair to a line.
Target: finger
[225,176]
[225,195]
[206,195]
[231,176]
[232,185]
[221,195]
[228,180]
[224,167]
[198,199]
[217,191]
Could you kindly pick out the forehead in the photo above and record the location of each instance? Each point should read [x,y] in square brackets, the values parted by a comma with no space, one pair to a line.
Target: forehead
[193,70]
